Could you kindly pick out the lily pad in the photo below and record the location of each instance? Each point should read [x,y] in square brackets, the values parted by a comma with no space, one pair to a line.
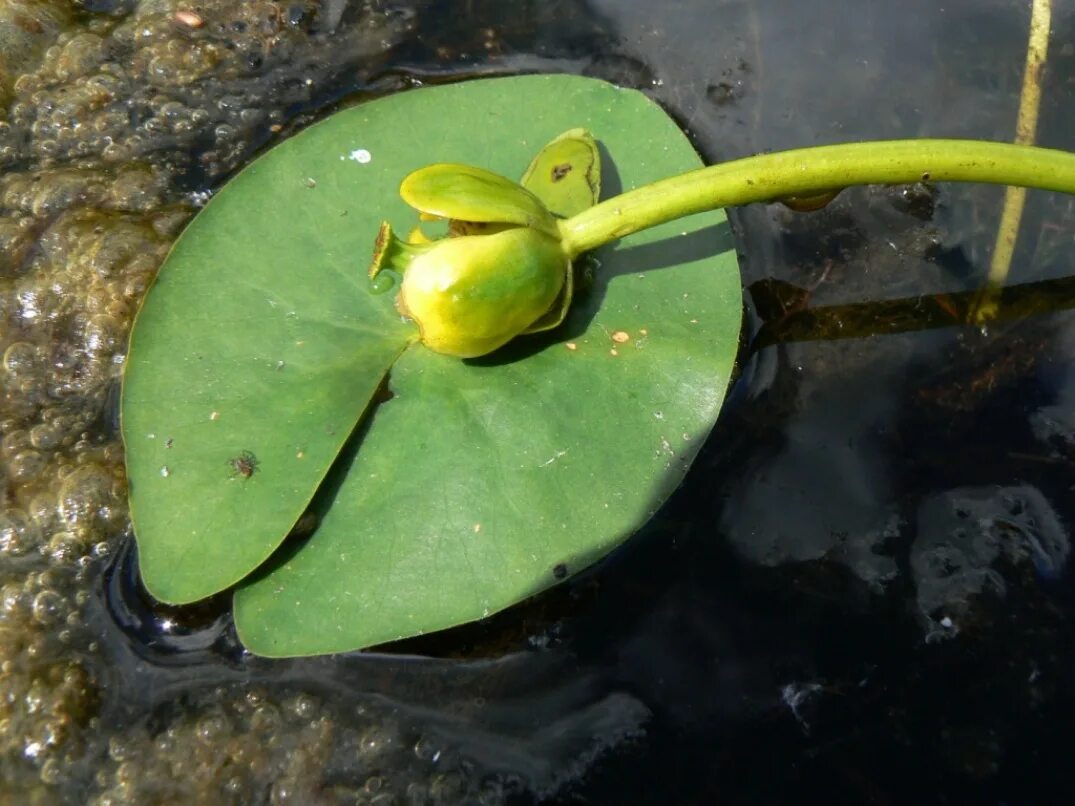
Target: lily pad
[259,344]
[472,484]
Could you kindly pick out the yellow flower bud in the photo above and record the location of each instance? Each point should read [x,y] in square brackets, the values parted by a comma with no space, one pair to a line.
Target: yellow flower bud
[472,294]
[501,272]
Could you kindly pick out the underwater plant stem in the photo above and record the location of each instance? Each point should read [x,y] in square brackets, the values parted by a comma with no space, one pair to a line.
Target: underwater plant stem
[1026,129]
[810,171]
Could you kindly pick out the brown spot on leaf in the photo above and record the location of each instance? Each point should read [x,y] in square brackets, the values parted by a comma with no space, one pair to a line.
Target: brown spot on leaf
[559,570]
[560,171]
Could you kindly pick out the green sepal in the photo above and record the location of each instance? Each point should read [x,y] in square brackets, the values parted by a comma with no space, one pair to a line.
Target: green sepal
[566,173]
[466,193]
[558,312]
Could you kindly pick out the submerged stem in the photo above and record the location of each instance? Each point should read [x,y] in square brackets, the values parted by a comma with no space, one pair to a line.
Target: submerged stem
[1025,131]
[807,171]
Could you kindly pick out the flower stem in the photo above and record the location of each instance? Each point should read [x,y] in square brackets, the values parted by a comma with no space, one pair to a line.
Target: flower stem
[811,171]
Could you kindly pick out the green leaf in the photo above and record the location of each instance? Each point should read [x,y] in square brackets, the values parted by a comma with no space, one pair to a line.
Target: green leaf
[566,173]
[258,336]
[480,483]
[467,193]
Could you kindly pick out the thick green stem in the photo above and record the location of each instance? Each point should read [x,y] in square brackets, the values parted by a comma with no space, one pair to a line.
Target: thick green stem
[809,171]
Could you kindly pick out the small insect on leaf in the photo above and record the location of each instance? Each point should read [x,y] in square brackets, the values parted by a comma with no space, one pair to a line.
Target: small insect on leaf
[244,464]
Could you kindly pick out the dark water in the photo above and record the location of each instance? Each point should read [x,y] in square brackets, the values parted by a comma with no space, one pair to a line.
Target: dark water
[862,591]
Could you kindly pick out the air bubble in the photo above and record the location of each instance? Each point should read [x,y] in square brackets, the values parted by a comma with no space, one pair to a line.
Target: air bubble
[47,607]
[20,358]
[85,495]
[212,727]
[302,706]
[26,466]
[18,534]
[426,750]
[65,547]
